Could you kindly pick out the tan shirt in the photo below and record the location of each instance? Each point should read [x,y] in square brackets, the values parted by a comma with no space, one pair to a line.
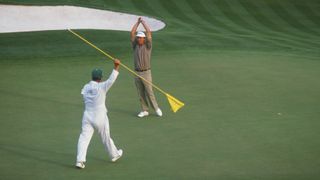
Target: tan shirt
[142,55]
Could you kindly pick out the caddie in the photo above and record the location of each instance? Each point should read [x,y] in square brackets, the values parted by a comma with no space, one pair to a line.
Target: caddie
[95,115]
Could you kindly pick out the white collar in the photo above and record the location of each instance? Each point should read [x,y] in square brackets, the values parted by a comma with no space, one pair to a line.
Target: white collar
[94,82]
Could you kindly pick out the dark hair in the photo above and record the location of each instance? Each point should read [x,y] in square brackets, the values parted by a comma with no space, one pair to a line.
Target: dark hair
[96,74]
[96,79]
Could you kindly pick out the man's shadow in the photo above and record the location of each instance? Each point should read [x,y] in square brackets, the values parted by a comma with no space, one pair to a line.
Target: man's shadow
[43,155]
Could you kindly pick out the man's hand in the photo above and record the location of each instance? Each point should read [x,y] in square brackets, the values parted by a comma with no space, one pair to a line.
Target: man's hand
[134,30]
[146,27]
[142,21]
[116,64]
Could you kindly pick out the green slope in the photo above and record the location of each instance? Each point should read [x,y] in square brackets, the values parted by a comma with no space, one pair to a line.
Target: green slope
[287,26]
[247,70]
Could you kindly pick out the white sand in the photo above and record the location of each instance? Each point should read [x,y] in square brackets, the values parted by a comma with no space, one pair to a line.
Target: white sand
[41,18]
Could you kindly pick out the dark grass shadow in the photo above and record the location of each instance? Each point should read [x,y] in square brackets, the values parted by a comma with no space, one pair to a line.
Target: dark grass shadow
[62,159]
[17,94]
[37,154]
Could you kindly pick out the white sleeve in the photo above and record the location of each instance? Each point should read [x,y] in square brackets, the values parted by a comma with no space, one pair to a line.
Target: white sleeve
[83,90]
[106,85]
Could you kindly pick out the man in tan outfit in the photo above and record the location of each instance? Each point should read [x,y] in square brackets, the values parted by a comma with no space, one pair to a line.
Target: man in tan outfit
[142,46]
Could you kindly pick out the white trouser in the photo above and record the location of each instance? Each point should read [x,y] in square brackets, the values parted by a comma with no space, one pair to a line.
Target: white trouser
[95,120]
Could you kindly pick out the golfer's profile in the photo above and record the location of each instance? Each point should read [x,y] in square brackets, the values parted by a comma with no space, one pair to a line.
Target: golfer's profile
[95,115]
[142,47]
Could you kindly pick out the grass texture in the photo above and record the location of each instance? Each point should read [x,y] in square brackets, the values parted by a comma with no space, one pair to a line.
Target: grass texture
[247,70]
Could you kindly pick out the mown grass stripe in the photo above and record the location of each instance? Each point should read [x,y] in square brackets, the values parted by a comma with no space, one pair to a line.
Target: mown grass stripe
[236,19]
[144,7]
[283,14]
[128,6]
[189,11]
[176,12]
[296,14]
[172,23]
[255,12]
[262,31]
[112,4]
[219,13]
[212,41]
[276,31]
[151,8]
[262,40]
[274,41]
[266,11]
[301,18]
[314,6]
[202,12]
[270,39]
[306,11]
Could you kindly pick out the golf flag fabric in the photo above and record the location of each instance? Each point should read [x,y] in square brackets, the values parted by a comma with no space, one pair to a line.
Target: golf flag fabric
[174,103]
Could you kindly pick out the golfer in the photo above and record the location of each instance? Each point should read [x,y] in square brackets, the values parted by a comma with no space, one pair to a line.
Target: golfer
[142,46]
[95,116]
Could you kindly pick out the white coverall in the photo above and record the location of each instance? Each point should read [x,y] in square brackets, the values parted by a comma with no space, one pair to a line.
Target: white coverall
[95,117]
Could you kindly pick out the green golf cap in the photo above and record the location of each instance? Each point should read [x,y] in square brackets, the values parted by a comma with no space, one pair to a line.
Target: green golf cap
[96,74]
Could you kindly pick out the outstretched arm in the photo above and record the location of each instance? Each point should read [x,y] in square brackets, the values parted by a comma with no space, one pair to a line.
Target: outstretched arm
[116,63]
[134,30]
[146,27]
[112,78]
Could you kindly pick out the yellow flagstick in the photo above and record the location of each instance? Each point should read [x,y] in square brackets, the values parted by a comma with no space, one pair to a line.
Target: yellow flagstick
[174,103]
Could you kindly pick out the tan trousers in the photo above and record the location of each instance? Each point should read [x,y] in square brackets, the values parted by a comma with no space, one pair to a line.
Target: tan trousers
[145,91]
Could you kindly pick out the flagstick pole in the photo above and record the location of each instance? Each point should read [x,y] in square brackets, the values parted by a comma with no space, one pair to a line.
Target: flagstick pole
[112,58]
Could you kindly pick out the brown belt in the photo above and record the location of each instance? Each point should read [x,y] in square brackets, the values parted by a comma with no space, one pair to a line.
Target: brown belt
[140,70]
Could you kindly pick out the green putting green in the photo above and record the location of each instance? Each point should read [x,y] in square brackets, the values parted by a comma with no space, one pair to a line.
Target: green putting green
[247,70]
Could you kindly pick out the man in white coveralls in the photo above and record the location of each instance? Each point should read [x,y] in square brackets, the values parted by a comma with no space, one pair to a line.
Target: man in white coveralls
[95,115]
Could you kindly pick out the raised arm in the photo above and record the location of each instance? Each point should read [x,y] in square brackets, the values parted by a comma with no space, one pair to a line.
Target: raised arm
[116,63]
[148,30]
[134,30]
[112,78]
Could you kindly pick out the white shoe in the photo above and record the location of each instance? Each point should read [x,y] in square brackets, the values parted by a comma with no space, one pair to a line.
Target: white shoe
[159,112]
[80,165]
[118,157]
[143,114]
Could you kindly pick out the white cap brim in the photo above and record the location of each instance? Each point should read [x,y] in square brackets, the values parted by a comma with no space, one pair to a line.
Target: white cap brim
[140,34]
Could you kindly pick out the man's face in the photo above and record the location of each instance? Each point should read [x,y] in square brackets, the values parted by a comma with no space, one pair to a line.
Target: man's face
[141,40]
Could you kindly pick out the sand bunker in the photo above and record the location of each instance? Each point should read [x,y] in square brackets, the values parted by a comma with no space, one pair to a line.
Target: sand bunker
[41,18]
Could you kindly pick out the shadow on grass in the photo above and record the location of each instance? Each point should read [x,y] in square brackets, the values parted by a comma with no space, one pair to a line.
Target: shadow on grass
[38,155]
[47,156]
